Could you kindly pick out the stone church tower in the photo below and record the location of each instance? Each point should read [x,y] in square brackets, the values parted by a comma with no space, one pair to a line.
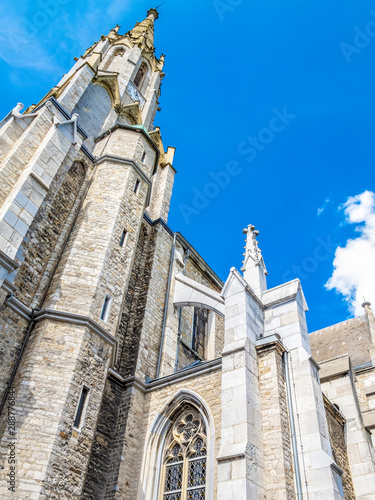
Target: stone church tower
[129,369]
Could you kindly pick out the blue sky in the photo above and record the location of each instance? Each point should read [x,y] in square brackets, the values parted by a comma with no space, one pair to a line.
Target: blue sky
[232,69]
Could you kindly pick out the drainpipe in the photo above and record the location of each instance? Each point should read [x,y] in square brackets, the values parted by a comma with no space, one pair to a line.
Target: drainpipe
[180,314]
[166,305]
[15,368]
[292,427]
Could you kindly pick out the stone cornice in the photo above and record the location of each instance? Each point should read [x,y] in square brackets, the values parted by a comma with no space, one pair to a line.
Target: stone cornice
[194,255]
[78,319]
[185,374]
[9,264]
[158,221]
[235,275]
[336,468]
[199,260]
[270,342]
[138,130]
[335,367]
[335,412]
[369,419]
[65,317]
[88,154]
[128,161]
[62,110]
[283,293]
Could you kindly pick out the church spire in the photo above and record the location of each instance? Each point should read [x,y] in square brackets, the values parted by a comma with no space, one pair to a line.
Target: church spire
[254,269]
[143,33]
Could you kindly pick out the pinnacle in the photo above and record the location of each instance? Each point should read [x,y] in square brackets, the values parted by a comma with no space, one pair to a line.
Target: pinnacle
[143,33]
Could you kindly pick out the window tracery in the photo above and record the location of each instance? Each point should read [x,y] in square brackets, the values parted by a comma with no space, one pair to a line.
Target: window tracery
[185,458]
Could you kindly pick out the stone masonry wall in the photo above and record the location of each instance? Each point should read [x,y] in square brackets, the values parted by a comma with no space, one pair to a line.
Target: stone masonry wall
[278,463]
[71,452]
[194,272]
[93,109]
[101,465]
[349,337]
[94,263]
[139,335]
[44,232]
[336,427]
[23,150]
[10,132]
[365,385]
[186,356]
[51,456]
[12,333]
[127,449]
[131,321]
[219,335]
[150,340]
[207,386]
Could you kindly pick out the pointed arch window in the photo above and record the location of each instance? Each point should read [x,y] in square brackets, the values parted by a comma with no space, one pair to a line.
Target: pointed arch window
[185,459]
[140,76]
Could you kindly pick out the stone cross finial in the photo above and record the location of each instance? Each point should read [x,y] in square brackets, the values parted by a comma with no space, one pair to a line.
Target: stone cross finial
[153,14]
[253,268]
[366,303]
[252,249]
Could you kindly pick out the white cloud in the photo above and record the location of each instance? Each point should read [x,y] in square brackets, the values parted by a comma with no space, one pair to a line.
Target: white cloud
[354,265]
[323,207]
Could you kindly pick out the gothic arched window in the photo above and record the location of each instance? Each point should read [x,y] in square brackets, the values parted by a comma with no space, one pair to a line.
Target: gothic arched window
[140,76]
[185,459]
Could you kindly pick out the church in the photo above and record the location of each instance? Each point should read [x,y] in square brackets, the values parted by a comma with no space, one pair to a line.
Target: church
[129,369]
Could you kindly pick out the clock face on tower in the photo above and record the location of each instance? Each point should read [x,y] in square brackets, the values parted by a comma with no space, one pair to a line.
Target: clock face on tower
[135,94]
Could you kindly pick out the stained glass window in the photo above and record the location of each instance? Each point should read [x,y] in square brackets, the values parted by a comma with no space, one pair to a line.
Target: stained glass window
[185,458]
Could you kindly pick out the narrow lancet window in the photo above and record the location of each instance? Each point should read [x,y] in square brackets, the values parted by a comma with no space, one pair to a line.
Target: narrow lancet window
[106,308]
[137,186]
[123,238]
[81,408]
